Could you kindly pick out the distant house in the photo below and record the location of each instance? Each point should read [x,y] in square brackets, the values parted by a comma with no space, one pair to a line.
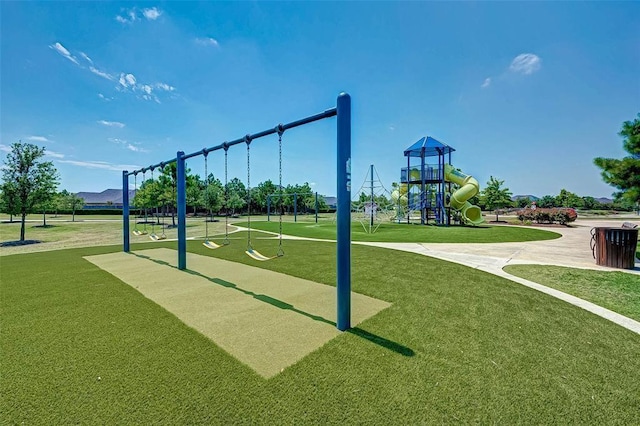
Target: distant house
[107,199]
[332,202]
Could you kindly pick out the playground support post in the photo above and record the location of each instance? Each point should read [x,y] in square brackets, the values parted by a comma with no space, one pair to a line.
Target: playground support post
[182,211]
[295,206]
[372,201]
[344,213]
[125,210]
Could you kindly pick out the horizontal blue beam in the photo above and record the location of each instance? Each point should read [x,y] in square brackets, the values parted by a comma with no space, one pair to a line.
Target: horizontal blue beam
[331,112]
[279,128]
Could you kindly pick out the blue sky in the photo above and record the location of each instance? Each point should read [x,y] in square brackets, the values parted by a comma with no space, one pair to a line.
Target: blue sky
[527,92]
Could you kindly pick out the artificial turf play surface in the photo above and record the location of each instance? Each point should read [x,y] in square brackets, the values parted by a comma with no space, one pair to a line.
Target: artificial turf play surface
[265,319]
[407,233]
[457,345]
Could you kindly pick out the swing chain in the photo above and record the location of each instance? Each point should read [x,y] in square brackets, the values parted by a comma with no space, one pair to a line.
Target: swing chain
[164,209]
[226,197]
[247,140]
[153,222]
[280,130]
[144,178]
[135,191]
[206,187]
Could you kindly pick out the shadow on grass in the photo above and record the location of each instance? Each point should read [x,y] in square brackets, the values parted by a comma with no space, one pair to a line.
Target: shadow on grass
[373,338]
[19,243]
[45,226]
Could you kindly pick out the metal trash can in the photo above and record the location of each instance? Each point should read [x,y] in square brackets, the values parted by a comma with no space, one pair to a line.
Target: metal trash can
[614,247]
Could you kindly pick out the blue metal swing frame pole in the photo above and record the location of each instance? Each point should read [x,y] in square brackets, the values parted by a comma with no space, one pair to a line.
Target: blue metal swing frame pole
[343,252]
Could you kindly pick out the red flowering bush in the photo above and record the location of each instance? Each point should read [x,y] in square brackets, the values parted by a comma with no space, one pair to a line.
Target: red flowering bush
[555,215]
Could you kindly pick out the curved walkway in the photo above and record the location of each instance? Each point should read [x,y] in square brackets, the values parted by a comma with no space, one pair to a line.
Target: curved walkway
[571,250]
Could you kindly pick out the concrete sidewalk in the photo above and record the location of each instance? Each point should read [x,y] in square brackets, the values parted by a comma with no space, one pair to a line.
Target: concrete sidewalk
[572,250]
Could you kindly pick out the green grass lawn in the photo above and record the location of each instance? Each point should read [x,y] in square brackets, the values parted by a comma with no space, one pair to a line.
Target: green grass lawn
[457,346]
[390,232]
[617,291]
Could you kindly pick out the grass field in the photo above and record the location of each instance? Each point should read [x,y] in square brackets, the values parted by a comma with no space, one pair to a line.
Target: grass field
[61,233]
[457,346]
[617,291]
[390,232]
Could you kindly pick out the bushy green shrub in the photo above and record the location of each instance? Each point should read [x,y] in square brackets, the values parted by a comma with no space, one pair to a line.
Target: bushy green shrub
[555,215]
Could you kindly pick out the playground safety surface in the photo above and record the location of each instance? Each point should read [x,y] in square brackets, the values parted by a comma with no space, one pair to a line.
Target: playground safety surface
[265,319]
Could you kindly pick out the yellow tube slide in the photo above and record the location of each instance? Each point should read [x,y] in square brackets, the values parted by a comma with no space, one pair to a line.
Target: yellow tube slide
[468,188]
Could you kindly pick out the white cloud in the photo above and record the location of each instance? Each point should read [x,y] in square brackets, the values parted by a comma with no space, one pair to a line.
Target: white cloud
[130,146]
[64,52]
[134,148]
[53,154]
[392,127]
[100,165]
[152,13]
[132,15]
[87,58]
[127,82]
[165,86]
[101,73]
[525,63]
[128,17]
[38,139]
[486,83]
[207,41]
[5,148]
[111,123]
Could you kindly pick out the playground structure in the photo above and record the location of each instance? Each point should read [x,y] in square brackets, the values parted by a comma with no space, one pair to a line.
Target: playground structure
[371,203]
[427,188]
[343,247]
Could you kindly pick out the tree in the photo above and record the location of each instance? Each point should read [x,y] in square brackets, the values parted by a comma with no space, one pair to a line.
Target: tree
[625,174]
[236,194]
[568,199]
[9,200]
[523,202]
[72,202]
[194,192]
[496,197]
[547,201]
[30,181]
[264,190]
[591,203]
[213,196]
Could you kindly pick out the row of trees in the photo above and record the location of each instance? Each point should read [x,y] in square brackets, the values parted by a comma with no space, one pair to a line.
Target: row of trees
[210,194]
[623,174]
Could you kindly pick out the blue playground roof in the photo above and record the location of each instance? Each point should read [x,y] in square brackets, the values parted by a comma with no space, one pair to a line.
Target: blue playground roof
[431,148]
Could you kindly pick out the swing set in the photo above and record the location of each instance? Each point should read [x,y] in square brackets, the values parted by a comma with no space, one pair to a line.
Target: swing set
[250,251]
[343,253]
